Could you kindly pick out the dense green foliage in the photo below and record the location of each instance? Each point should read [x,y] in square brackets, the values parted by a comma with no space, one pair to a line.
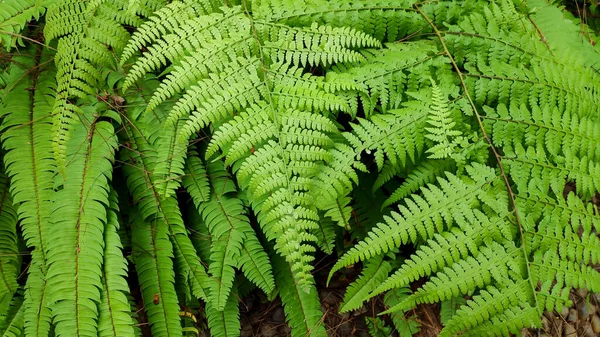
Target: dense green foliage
[187,152]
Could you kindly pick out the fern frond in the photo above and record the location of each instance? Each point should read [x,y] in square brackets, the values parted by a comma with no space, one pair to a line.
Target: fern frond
[9,261]
[163,21]
[224,322]
[315,45]
[490,302]
[386,77]
[447,248]
[151,205]
[152,257]
[301,309]
[375,270]
[385,20]
[441,126]
[405,326]
[507,322]
[380,136]
[196,181]
[492,262]
[424,173]
[562,144]
[15,319]
[228,226]
[78,220]
[222,209]
[86,33]
[30,166]
[114,318]
[14,15]
[377,327]
[418,219]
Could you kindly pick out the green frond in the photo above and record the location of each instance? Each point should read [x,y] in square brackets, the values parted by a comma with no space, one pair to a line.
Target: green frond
[30,166]
[315,45]
[561,38]
[449,307]
[490,266]
[447,248]
[163,21]
[87,34]
[152,255]
[114,318]
[14,321]
[225,219]
[78,216]
[195,179]
[381,135]
[256,265]
[224,322]
[152,206]
[386,78]
[302,309]
[375,270]
[561,145]
[489,303]
[422,174]
[441,126]
[196,32]
[405,326]
[326,233]
[385,20]
[14,16]
[9,258]
[228,226]
[377,327]
[439,208]
[508,322]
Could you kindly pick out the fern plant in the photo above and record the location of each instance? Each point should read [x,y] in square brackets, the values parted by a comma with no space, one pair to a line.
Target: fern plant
[160,156]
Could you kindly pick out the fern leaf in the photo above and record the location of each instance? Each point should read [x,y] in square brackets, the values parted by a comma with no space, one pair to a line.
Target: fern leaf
[424,173]
[254,261]
[85,31]
[508,322]
[78,217]
[417,219]
[375,270]
[491,262]
[30,167]
[406,326]
[247,254]
[301,309]
[377,327]
[441,126]
[9,261]
[195,180]
[448,308]
[394,20]
[13,326]
[154,208]
[14,15]
[225,322]
[163,21]
[114,317]
[152,255]
[447,248]
[228,226]
[483,306]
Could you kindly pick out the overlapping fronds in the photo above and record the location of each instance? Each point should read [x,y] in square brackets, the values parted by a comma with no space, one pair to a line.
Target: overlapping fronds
[89,34]
[506,242]
[168,157]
